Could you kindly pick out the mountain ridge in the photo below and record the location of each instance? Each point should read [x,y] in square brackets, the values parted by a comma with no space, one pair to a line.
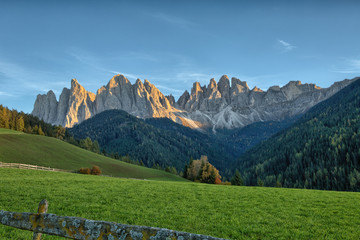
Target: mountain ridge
[217,106]
[319,151]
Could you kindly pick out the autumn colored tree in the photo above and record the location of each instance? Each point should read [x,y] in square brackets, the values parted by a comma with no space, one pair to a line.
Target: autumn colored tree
[20,124]
[95,170]
[85,170]
[202,171]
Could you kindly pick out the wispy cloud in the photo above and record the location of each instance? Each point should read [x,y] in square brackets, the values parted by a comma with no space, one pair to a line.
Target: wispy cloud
[169,89]
[128,75]
[351,65]
[172,19]
[5,94]
[14,75]
[355,63]
[285,45]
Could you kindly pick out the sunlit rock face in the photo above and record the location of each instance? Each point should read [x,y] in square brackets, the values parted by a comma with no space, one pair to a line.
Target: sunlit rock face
[75,105]
[226,104]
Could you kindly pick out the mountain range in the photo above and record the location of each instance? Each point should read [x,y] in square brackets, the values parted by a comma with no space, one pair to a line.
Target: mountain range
[217,106]
[320,150]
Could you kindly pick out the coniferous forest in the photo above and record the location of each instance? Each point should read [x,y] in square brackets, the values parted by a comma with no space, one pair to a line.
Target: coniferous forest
[320,151]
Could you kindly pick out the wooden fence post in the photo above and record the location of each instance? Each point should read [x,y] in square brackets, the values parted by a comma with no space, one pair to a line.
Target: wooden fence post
[85,229]
[43,207]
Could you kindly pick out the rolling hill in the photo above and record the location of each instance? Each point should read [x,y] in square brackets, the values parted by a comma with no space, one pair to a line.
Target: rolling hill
[320,151]
[19,147]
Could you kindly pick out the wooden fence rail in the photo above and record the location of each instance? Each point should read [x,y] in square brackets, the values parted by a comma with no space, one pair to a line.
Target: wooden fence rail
[28,166]
[80,228]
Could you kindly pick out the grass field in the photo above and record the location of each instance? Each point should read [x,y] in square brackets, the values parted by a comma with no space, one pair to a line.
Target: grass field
[17,147]
[222,211]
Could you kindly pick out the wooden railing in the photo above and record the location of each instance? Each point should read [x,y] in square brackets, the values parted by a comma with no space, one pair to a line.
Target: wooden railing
[80,228]
[28,166]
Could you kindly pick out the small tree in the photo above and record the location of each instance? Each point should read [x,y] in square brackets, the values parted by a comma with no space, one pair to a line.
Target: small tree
[95,170]
[202,171]
[40,131]
[237,179]
[20,124]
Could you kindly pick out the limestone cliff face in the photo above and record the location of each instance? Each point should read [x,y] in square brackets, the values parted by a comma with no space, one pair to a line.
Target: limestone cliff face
[46,107]
[76,104]
[217,105]
[230,106]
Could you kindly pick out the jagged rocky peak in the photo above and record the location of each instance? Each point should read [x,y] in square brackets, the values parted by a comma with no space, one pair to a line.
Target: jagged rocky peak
[256,89]
[196,89]
[212,84]
[274,88]
[138,82]
[183,99]
[117,80]
[217,105]
[171,99]
[150,87]
[224,87]
[45,106]
[238,86]
[79,91]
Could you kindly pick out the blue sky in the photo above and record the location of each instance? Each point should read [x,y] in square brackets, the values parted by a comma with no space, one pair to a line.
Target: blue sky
[44,44]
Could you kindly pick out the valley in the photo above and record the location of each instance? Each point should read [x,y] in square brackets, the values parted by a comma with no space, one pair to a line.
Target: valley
[180,120]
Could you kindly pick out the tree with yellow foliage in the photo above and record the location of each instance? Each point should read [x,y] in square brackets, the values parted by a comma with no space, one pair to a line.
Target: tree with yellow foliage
[202,171]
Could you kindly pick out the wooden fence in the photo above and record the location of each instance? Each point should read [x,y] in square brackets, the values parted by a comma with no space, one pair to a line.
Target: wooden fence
[80,228]
[28,166]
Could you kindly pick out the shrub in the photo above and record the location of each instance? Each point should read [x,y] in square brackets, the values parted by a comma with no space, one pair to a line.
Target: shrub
[217,180]
[85,170]
[95,170]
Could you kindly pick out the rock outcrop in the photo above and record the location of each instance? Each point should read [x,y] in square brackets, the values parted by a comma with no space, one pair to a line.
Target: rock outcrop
[76,104]
[217,105]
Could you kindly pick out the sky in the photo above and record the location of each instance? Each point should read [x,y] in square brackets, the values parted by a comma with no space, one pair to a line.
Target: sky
[44,44]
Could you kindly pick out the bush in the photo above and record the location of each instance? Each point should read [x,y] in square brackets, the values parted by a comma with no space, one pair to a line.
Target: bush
[95,170]
[217,180]
[85,171]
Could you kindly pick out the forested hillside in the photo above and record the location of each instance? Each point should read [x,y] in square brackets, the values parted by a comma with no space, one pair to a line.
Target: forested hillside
[320,151]
[121,133]
[19,121]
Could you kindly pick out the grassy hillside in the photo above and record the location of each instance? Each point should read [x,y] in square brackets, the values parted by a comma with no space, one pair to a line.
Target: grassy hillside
[222,211]
[19,147]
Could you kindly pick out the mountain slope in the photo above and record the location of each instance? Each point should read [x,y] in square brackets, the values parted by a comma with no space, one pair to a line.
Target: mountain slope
[19,147]
[119,132]
[321,150]
[216,106]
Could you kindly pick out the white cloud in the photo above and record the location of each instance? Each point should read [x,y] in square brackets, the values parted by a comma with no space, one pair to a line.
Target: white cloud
[350,65]
[285,45]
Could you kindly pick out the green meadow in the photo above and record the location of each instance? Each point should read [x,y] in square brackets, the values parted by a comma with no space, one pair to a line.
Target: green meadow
[222,211]
[17,147]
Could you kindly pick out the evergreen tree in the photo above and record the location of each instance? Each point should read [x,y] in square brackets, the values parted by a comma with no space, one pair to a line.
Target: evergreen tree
[237,179]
